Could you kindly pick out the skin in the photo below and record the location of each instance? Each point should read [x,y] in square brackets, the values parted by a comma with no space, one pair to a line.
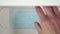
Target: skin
[49,23]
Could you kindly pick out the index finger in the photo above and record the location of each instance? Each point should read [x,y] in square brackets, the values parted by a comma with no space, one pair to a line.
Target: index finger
[40,13]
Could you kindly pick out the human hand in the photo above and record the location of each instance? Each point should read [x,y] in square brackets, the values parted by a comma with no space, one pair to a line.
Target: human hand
[50,23]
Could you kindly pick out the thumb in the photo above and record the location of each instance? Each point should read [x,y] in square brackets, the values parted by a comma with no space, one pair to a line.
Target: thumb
[37,26]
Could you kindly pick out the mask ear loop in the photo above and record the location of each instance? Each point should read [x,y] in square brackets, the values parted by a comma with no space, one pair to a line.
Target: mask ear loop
[1,8]
[1,26]
[43,10]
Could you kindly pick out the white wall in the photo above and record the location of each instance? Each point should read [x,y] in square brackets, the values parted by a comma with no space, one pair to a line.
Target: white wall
[29,2]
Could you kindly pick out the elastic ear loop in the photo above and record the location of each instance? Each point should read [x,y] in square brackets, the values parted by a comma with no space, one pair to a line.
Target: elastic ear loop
[43,10]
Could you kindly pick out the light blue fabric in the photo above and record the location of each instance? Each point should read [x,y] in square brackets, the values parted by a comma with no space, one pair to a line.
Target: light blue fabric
[23,18]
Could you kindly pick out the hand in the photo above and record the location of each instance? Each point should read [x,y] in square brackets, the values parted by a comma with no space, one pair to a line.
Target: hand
[50,23]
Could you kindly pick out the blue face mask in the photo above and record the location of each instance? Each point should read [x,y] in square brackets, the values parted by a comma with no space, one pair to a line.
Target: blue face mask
[23,18]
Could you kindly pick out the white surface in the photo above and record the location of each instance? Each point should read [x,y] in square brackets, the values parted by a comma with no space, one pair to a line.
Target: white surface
[25,31]
[28,2]
[4,21]
[5,29]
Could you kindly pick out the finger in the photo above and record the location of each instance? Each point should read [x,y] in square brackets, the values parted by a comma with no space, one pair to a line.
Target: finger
[40,13]
[55,10]
[37,26]
[49,11]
